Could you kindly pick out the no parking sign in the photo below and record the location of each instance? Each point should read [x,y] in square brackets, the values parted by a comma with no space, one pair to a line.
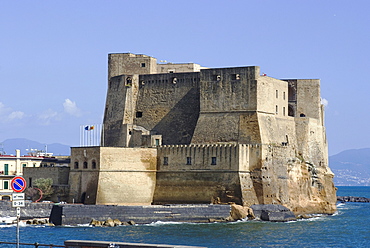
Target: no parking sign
[18,184]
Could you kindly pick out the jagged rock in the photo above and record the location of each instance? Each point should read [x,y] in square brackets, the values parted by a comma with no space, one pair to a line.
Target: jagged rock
[94,222]
[42,221]
[239,212]
[131,222]
[109,222]
[273,212]
[117,222]
[352,199]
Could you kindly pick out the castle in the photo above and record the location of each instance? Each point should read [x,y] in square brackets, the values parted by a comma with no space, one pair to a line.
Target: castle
[182,133]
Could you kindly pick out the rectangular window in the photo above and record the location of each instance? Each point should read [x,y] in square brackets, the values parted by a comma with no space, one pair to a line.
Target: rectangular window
[156,142]
[235,76]
[165,160]
[188,160]
[139,114]
[284,111]
[214,161]
[6,169]
[216,77]
[30,182]
[277,94]
[6,184]
[276,109]
[284,95]
[142,64]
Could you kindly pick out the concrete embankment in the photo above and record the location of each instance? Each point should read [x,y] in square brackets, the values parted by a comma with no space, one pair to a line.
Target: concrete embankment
[30,211]
[86,243]
[73,214]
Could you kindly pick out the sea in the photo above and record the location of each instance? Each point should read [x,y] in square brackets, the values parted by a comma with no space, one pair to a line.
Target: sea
[348,227]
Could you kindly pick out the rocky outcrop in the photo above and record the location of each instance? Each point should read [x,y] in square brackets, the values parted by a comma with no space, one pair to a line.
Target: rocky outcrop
[352,199]
[239,212]
[110,223]
[272,212]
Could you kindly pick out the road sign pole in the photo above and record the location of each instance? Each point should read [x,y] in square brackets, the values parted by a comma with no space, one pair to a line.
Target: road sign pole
[18,217]
[18,185]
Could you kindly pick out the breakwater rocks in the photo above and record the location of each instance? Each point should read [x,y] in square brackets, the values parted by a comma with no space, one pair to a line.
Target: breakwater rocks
[272,212]
[352,199]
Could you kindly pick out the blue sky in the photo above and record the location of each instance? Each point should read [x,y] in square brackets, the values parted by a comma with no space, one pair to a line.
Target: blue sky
[53,55]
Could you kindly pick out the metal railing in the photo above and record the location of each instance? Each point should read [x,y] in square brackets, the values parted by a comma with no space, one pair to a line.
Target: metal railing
[34,244]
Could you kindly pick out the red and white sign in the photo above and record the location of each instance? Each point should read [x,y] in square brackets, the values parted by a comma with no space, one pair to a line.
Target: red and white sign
[18,184]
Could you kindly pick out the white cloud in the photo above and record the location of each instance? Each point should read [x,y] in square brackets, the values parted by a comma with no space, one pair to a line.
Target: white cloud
[47,116]
[6,113]
[16,115]
[71,108]
[324,102]
[3,109]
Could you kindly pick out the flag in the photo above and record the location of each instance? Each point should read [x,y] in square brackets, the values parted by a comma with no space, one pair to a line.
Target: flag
[88,128]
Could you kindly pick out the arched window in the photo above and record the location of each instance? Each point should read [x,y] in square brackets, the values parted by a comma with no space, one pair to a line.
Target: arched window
[76,164]
[93,164]
[85,165]
[128,81]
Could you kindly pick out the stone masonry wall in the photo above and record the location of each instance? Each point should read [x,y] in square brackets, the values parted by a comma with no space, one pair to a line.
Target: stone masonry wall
[169,106]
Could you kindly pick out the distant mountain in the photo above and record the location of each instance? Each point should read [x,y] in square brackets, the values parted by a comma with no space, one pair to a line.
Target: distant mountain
[351,167]
[10,145]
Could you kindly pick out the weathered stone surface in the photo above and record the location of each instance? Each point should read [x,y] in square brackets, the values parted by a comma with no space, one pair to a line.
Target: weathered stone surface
[30,211]
[109,222]
[239,212]
[73,214]
[273,212]
[117,222]
[94,222]
[352,199]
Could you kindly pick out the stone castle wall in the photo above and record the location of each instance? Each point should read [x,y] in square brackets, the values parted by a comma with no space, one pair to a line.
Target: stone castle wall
[168,104]
[120,175]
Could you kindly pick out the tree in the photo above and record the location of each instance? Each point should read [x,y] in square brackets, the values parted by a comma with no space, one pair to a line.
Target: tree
[45,185]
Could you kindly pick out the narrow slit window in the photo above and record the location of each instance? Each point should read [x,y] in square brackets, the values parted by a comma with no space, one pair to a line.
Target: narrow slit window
[214,161]
[165,160]
[188,161]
